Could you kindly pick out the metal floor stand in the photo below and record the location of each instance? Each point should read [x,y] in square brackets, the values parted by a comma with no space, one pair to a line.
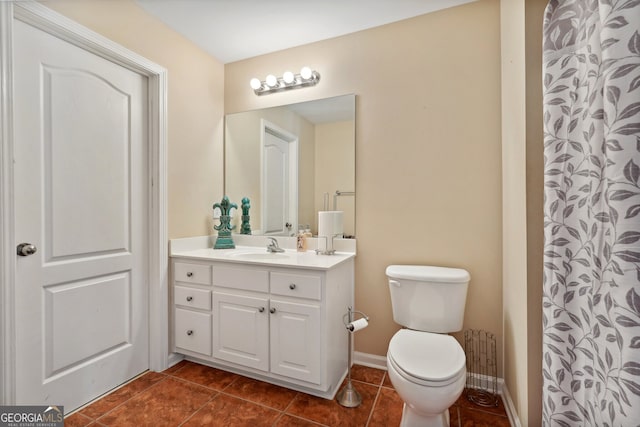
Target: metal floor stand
[349,396]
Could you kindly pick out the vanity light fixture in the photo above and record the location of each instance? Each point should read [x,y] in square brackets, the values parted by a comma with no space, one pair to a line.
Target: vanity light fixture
[272,84]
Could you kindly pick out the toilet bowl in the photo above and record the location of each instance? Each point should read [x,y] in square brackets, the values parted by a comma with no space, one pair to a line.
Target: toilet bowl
[428,371]
[426,366]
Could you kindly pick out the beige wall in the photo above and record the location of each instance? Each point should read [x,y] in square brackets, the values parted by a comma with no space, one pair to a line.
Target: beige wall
[534,13]
[427,149]
[522,140]
[514,203]
[195,104]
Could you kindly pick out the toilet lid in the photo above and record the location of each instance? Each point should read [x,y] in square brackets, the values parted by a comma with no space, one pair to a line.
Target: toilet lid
[427,356]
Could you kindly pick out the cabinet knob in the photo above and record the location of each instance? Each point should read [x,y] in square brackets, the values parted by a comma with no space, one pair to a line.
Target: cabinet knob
[272,310]
[292,286]
[189,274]
[261,309]
[189,298]
[189,332]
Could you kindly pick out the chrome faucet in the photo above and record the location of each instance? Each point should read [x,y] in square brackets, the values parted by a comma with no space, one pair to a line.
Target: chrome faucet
[273,245]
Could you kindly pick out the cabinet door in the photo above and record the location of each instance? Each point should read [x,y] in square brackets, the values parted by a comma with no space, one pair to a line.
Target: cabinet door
[295,340]
[241,330]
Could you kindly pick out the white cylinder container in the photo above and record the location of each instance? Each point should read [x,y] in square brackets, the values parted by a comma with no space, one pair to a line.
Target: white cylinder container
[330,226]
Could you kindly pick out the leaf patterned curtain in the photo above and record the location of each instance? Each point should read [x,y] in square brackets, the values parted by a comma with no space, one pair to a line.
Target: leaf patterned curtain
[591,299]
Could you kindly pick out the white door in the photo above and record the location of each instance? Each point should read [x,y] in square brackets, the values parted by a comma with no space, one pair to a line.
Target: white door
[276,186]
[81,198]
[295,340]
[279,195]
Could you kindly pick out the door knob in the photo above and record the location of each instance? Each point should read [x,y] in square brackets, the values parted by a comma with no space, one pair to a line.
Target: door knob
[26,249]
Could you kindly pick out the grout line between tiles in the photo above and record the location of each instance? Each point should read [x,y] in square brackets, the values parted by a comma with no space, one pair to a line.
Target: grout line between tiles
[122,403]
[102,396]
[373,406]
[304,419]
[251,401]
[197,410]
[291,403]
[217,390]
[275,422]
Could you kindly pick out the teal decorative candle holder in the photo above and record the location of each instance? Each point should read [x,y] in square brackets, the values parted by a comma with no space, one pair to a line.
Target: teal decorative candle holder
[245,228]
[224,240]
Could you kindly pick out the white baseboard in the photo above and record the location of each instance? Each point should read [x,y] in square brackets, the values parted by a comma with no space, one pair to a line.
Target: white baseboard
[509,406]
[370,360]
[173,359]
[380,362]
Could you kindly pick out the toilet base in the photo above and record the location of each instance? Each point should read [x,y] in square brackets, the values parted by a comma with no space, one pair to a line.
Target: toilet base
[411,418]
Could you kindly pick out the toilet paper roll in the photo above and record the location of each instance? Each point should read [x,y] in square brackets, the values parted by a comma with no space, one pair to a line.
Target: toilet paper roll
[357,325]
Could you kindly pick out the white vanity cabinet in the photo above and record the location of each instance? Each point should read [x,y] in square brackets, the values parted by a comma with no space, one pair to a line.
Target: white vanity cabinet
[280,324]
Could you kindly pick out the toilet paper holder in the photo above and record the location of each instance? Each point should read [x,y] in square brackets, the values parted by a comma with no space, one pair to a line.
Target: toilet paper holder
[353,325]
[348,396]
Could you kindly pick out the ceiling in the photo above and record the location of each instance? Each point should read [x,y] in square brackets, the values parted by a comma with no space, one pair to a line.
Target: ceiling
[232,30]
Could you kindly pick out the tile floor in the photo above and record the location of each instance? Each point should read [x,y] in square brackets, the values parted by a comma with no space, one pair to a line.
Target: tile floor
[193,395]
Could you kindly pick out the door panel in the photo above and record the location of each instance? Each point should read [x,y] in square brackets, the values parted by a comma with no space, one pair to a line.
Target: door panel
[78,147]
[107,329]
[295,340]
[241,330]
[81,197]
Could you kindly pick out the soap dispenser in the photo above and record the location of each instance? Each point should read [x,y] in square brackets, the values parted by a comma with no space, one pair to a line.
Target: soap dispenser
[301,240]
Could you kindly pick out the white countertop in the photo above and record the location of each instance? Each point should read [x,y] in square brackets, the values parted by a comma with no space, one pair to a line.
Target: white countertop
[252,250]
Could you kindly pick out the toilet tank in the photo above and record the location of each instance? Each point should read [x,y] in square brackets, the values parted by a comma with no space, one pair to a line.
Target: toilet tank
[427,298]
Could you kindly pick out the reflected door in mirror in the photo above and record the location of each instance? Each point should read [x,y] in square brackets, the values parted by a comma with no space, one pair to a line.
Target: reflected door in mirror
[279,181]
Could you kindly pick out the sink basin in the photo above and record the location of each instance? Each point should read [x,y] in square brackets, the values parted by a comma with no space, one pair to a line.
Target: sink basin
[259,255]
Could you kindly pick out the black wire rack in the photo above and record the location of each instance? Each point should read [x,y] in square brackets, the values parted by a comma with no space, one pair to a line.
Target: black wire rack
[482,373]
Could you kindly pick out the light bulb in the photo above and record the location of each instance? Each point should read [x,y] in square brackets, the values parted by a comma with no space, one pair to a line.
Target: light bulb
[288,77]
[255,83]
[305,73]
[271,80]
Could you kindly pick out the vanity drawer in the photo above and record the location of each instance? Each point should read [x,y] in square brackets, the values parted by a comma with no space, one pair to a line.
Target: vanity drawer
[193,331]
[296,285]
[192,273]
[190,297]
[241,278]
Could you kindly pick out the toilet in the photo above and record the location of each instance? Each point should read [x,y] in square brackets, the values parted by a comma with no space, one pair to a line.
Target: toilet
[426,366]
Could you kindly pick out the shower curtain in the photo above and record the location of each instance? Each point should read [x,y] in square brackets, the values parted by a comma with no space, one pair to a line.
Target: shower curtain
[591,284]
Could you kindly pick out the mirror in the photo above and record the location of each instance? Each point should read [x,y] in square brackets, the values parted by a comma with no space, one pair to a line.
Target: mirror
[292,161]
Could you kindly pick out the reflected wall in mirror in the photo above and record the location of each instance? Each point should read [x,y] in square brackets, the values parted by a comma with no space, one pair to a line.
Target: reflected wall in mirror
[290,161]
